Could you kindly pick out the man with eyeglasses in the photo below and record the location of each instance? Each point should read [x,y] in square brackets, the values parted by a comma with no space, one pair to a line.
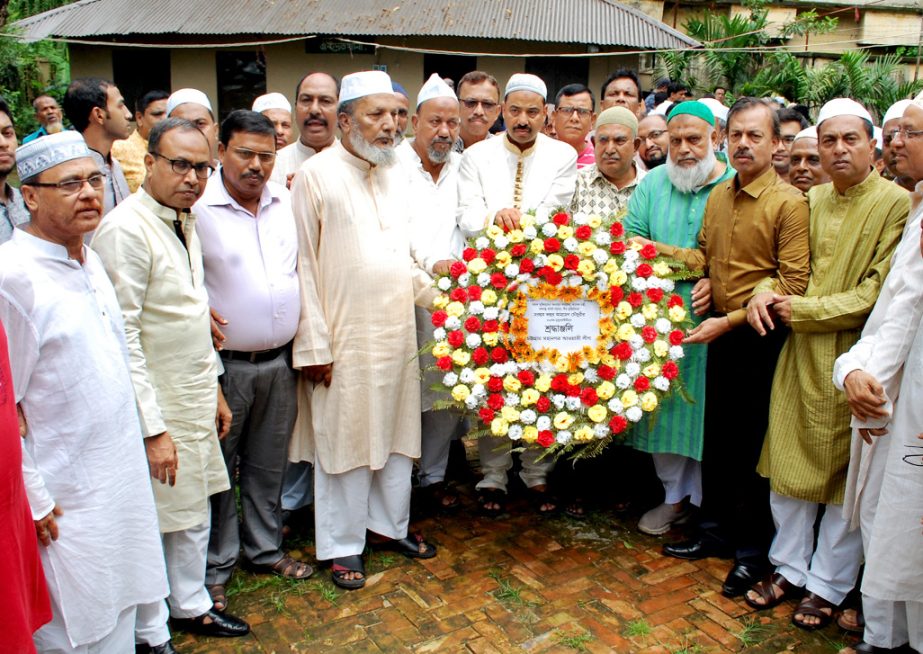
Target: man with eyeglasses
[654,141]
[889,124]
[479,105]
[153,255]
[83,463]
[574,112]
[791,122]
[249,250]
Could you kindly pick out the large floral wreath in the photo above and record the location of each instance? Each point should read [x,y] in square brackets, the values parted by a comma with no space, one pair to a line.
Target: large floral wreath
[561,397]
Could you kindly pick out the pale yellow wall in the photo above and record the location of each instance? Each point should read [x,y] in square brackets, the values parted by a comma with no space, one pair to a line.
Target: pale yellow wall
[194,68]
[90,61]
[600,67]
[891,28]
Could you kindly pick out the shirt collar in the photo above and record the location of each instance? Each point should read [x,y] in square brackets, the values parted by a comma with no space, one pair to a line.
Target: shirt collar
[755,188]
[165,213]
[216,194]
[862,187]
[515,149]
[596,174]
[44,248]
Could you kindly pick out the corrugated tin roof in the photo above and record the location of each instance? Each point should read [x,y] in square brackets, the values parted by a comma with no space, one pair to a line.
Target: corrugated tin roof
[599,22]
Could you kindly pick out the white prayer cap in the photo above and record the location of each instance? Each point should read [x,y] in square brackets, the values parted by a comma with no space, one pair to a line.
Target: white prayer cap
[896,110]
[366,82]
[663,108]
[188,95]
[271,101]
[843,107]
[877,134]
[435,87]
[720,111]
[807,133]
[526,82]
[918,100]
[39,155]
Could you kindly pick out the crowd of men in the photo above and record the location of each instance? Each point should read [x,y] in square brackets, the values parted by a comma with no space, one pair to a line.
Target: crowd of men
[200,315]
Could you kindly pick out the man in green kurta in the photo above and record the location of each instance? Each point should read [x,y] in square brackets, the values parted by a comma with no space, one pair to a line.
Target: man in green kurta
[668,207]
[856,222]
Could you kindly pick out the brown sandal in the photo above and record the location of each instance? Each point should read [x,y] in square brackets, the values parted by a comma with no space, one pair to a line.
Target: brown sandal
[766,592]
[219,596]
[291,568]
[813,605]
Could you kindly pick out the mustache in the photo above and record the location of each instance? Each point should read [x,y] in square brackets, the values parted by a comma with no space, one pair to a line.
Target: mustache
[743,152]
[318,118]
[249,174]
[443,139]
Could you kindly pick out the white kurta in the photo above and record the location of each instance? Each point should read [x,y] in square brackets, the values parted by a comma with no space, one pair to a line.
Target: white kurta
[84,450]
[487,179]
[359,285]
[289,160]
[161,289]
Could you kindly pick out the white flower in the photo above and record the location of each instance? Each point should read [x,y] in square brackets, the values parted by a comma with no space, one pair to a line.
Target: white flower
[546,367]
[511,270]
[471,402]
[467,376]
[444,284]
[450,379]
[667,285]
[481,242]
[634,414]
[590,376]
[501,242]
[543,423]
[511,399]
[515,432]
[661,383]
[491,313]
[572,403]
[541,216]
[563,437]
[601,430]
[549,229]
[510,368]
[529,233]
[637,320]
[574,279]
[464,279]
[452,323]
[600,256]
[615,405]
[654,282]
[483,279]
[639,284]
[558,400]
[540,260]
[623,381]
[663,325]
[629,266]
[580,218]
[636,341]
[642,354]
[497,370]
[527,416]
[676,352]
[476,308]
[473,340]
[632,369]
[439,333]
[570,244]
[504,315]
[478,390]
[631,255]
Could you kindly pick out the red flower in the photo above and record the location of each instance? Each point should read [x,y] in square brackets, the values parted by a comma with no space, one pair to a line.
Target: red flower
[649,251]
[474,292]
[670,370]
[617,229]
[559,383]
[495,384]
[544,271]
[457,269]
[583,232]
[495,402]
[486,415]
[527,377]
[616,294]
[644,270]
[675,301]
[676,337]
[571,261]
[445,363]
[606,372]
[472,324]
[498,280]
[589,397]
[642,384]
[456,338]
[552,245]
[572,390]
[490,326]
[526,266]
[554,278]
[459,295]
[480,356]
[488,255]
[635,299]
[469,253]
[560,218]
[518,250]
[649,334]
[618,424]
[655,295]
[545,438]
[622,351]
[499,355]
[543,404]
[617,247]
[439,318]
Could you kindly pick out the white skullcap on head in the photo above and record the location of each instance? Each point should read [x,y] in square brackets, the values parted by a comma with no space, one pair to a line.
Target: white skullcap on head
[435,87]
[896,110]
[843,107]
[271,101]
[720,111]
[39,155]
[183,96]
[367,82]
[663,108]
[918,100]
[526,82]
[877,134]
[807,133]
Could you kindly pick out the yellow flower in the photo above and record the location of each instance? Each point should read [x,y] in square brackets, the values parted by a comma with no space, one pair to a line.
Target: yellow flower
[563,420]
[499,427]
[583,435]
[597,412]
[661,348]
[543,383]
[494,231]
[530,434]
[561,364]
[661,269]
[586,268]
[511,384]
[491,339]
[618,278]
[650,311]
[477,265]
[488,297]
[677,314]
[586,248]
[611,266]
[623,310]
[460,393]
[625,332]
[455,309]
[594,221]
[651,370]
[509,414]
[529,397]
[629,398]
[610,361]
[441,302]
[516,235]
[461,357]
[648,402]
[441,349]
[575,378]
[593,356]
[556,261]
[606,390]
[537,246]
[481,375]
[503,258]
[565,231]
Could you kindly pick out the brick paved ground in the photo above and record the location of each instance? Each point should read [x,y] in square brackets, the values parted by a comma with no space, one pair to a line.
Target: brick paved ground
[525,583]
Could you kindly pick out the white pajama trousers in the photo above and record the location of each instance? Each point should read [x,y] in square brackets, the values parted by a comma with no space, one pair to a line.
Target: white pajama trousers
[348,504]
[497,460]
[831,569]
[186,554]
[52,638]
[681,477]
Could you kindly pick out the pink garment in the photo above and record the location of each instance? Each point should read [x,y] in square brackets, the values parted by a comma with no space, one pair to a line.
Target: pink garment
[587,157]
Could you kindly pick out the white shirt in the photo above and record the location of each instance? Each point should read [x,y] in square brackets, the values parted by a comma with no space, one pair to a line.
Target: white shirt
[487,177]
[84,449]
[289,160]
[250,265]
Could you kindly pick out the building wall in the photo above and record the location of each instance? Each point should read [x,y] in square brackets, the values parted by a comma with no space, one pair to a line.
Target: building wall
[90,61]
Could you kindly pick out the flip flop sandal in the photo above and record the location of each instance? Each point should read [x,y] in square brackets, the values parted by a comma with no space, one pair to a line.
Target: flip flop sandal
[491,496]
[409,546]
[343,565]
[849,626]
[539,498]
[291,568]
[576,509]
[813,605]
[219,596]
[766,592]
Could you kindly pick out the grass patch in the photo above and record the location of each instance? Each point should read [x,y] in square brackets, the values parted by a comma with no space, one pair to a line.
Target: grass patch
[576,641]
[327,591]
[506,591]
[637,629]
[752,633]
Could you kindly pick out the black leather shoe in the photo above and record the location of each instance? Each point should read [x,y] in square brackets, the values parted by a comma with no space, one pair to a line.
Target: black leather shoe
[741,578]
[164,648]
[693,550]
[221,625]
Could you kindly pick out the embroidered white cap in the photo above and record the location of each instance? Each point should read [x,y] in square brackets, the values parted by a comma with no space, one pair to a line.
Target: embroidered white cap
[843,107]
[39,155]
[807,133]
[366,82]
[271,101]
[435,87]
[187,95]
[526,82]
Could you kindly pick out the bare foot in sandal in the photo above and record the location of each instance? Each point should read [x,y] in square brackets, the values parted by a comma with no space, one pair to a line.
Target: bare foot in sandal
[771,591]
[219,596]
[291,568]
[814,612]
